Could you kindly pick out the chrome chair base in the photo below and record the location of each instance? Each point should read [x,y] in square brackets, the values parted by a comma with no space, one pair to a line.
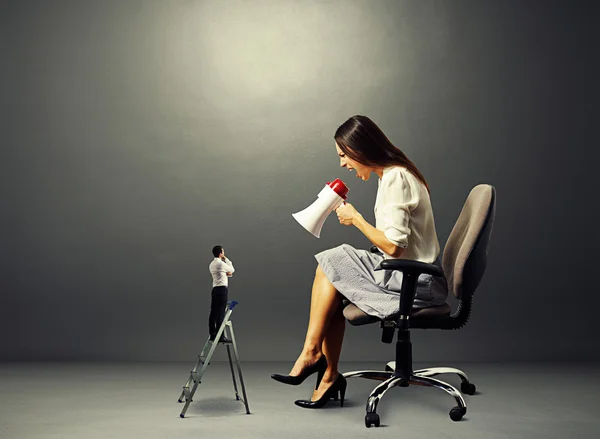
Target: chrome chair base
[422,377]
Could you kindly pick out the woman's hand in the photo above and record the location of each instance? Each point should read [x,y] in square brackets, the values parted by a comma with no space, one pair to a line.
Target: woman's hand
[347,214]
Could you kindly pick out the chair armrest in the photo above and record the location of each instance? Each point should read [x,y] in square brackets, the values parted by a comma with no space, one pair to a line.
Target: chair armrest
[411,271]
[375,249]
[409,266]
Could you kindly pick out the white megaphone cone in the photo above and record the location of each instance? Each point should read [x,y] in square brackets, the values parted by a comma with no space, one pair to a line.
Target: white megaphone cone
[330,198]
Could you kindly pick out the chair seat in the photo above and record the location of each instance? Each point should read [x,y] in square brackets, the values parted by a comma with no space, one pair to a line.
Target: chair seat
[419,318]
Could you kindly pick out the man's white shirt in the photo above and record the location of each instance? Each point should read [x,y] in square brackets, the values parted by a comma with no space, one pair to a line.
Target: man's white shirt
[218,269]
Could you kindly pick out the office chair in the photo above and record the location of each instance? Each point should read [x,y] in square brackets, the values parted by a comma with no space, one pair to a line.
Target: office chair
[463,262]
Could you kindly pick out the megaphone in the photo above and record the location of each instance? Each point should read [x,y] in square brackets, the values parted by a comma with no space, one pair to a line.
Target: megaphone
[330,198]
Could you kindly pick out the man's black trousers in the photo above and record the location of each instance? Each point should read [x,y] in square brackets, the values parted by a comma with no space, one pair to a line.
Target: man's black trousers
[217,310]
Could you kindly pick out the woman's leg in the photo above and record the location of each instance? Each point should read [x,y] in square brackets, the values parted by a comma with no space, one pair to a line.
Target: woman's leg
[325,303]
[332,348]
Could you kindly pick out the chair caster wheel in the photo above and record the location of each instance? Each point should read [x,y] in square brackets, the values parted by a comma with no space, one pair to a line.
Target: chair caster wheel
[179,400]
[467,388]
[372,419]
[457,413]
[181,416]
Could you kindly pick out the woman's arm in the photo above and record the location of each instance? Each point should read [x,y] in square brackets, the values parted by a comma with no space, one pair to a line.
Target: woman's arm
[377,237]
[348,215]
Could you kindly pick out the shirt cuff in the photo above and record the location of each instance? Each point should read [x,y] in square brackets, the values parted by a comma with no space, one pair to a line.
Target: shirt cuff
[396,237]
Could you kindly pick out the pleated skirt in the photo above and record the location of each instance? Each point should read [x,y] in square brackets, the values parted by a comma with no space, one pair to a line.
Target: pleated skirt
[377,293]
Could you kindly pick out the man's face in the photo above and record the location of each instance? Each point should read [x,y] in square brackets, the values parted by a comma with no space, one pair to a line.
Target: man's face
[222,255]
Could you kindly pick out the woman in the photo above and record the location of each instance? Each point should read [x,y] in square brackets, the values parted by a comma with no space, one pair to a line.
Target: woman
[404,229]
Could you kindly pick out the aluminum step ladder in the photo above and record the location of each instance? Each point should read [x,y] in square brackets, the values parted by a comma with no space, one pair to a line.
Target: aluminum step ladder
[203,361]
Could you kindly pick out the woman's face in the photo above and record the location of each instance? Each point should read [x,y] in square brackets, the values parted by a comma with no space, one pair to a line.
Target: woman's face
[362,171]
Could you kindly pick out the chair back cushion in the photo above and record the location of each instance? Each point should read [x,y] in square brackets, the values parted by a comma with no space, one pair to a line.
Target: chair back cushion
[465,254]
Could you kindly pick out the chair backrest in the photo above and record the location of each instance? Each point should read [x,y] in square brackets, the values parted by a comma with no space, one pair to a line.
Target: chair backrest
[465,255]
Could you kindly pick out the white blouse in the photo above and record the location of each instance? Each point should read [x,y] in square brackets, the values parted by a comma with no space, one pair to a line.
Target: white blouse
[403,212]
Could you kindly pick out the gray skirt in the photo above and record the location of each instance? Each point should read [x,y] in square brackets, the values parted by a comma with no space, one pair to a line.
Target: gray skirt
[377,293]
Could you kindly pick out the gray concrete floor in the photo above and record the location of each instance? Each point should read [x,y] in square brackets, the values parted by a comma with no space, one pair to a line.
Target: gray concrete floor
[139,400]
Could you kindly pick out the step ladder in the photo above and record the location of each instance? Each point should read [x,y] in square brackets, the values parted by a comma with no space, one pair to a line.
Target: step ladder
[203,361]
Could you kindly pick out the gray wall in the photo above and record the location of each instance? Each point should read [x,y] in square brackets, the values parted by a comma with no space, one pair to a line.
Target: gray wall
[138,134]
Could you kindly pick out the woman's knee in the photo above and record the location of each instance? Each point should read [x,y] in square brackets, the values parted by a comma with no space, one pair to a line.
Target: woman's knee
[321,276]
[319,271]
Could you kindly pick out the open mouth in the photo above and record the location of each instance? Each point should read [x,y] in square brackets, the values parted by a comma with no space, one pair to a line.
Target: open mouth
[357,174]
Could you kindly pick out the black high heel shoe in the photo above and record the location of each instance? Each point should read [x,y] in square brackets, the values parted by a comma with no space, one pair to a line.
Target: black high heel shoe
[338,386]
[319,367]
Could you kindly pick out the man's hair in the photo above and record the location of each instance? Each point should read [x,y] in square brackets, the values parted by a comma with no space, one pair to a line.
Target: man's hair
[217,249]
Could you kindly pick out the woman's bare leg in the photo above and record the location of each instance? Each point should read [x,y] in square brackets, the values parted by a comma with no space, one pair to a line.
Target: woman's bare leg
[325,302]
[332,348]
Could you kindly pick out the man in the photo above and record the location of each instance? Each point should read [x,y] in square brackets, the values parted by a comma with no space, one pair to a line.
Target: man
[220,268]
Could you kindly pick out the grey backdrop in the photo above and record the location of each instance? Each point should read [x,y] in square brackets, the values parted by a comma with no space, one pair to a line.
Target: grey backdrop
[138,134]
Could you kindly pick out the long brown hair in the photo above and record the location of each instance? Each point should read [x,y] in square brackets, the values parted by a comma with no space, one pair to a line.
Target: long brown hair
[364,142]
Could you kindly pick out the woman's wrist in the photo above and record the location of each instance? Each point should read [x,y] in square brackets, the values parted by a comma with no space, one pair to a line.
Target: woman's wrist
[357,219]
